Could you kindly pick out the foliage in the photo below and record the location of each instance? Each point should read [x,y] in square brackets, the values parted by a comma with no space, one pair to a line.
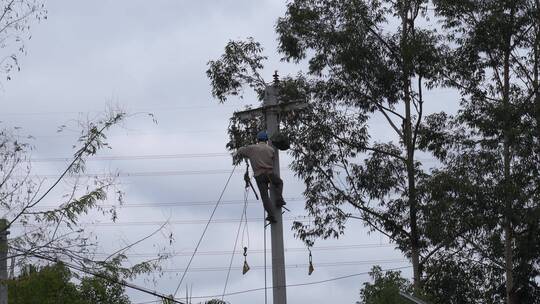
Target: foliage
[385,288]
[52,232]
[484,198]
[99,290]
[470,226]
[48,285]
[53,284]
[358,67]
[16,17]
[215,301]
[48,234]
[238,66]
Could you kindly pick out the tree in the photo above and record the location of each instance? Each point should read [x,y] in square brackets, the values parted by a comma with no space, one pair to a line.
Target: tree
[98,290]
[363,58]
[487,191]
[385,288]
[53,284]
[49,284]
[16,17]
[52,232]
[42,234]
[215,301]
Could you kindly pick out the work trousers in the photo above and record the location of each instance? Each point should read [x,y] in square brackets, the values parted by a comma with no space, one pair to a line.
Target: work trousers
[262,182]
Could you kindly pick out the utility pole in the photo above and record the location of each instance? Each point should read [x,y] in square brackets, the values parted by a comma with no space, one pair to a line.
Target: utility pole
[3,261]
[271,110]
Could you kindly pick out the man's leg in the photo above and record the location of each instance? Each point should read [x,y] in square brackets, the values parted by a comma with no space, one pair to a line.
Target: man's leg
[262,183]
[278,185]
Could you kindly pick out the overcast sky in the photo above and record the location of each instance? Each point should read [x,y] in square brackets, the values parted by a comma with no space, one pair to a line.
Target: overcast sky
[150,56]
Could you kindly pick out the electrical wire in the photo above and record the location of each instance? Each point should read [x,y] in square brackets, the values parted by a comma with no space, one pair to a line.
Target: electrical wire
[174,204]
[204,231]
[290,266]
[217,107]
[102,276]
[260,251]
[291,285]
[132,157]
[301,284]
[145,173]
[246,193]
[172,222]
[152,157]
[265,275]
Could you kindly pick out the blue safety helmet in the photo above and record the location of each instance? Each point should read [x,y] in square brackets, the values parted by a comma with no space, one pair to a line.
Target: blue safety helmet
[262,136]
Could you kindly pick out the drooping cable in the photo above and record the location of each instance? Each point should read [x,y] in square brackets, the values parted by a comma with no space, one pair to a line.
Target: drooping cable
[100,275]
[264,249]
[246,193]
[300,284]
[204,231]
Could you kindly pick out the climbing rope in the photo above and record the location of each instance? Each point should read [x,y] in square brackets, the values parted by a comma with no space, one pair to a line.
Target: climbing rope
[245,231]
[204,231]
[243,221]
[264,248]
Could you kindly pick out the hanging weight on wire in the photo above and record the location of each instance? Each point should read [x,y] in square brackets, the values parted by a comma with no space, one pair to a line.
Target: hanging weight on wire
[311,268]
[245,269]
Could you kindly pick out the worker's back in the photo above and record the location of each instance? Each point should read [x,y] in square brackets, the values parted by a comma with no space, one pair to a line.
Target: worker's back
[261,157]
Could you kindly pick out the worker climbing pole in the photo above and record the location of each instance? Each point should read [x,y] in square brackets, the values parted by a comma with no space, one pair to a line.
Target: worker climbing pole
[271,110]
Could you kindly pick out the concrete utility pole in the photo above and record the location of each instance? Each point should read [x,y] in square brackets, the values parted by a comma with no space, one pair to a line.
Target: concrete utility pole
[271,109]
[3,261]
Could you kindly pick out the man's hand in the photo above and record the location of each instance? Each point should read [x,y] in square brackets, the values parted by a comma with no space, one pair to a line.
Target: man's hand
[237,157]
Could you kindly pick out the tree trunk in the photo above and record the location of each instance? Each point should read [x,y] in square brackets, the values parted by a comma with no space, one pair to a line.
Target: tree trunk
[536,50]
[409,146]
[508,238]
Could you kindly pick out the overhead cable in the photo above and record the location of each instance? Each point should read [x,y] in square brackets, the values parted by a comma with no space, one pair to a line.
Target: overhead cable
[204,231]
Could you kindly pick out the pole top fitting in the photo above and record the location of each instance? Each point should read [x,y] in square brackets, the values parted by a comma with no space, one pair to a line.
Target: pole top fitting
[276,77]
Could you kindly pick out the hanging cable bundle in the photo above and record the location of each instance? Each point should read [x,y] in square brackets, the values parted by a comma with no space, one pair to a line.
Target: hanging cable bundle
[245,231]
[311,268]
[245,268]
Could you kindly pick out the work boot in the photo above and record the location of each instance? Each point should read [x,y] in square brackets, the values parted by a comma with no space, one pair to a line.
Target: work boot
[271,219]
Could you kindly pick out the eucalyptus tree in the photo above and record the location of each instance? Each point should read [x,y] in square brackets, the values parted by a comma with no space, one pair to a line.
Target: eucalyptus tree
[366,59]
[486,194]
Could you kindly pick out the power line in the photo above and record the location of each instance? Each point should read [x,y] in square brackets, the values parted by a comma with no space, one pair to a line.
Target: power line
[300,284]
[217,107]
[177,204]
[204,232]
[261,251]
[289,285]
[246,193]
[149,173]
[146,173]
[151,157]
[134,157]
[289,266]
[177,222]
[99,275]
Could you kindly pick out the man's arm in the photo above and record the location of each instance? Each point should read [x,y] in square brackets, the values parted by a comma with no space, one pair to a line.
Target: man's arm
[242,152]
